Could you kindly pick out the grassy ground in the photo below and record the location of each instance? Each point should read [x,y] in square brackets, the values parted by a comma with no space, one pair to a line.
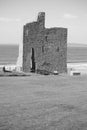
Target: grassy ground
[43,103]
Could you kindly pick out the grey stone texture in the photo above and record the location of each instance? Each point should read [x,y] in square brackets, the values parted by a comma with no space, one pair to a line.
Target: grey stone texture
[44,48]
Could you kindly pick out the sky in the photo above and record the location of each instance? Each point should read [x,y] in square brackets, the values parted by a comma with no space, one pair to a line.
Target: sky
[71,14]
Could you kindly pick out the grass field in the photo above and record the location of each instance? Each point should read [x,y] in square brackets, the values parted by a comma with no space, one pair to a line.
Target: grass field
[43,103]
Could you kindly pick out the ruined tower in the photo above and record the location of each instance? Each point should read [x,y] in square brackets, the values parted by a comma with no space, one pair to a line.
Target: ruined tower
[44,48]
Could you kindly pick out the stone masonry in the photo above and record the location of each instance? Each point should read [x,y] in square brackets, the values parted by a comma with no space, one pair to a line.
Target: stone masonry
[44,48]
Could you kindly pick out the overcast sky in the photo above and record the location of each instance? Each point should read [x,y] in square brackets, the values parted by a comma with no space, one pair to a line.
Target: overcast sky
[71,14]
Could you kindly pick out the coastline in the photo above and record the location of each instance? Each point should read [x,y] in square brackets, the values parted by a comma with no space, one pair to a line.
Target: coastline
[72,68]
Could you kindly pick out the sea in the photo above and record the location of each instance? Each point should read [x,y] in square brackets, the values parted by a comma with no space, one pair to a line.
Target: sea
[9,54]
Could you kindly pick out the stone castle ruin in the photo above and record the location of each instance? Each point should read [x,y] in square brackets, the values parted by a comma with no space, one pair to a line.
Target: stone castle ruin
[44,48]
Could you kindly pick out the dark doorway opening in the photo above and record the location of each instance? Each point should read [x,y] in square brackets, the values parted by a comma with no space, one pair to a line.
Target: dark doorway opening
[33,60]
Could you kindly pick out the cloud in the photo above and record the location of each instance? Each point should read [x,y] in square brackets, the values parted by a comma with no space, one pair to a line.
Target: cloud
[70,16]
[4,19]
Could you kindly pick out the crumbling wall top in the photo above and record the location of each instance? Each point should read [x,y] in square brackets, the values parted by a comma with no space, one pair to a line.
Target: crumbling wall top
[41,19]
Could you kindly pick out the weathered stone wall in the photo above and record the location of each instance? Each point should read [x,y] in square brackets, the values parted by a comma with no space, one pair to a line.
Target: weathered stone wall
[53,55]
[50,46]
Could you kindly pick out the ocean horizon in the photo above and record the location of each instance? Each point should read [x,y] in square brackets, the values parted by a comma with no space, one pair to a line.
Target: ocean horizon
[9,54]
